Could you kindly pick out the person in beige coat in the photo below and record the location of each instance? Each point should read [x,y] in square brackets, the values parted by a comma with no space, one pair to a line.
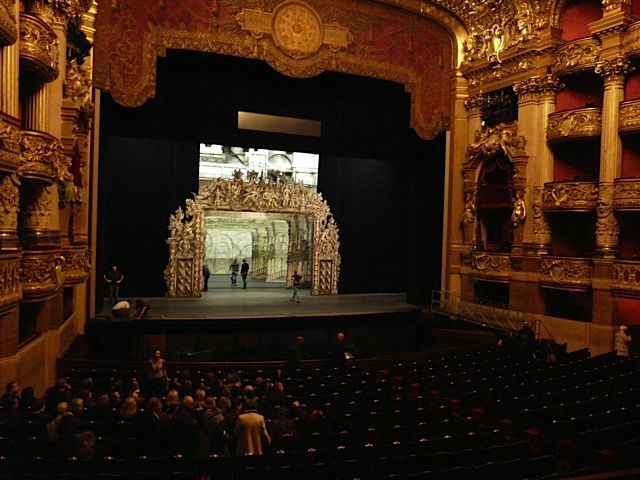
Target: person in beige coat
[621,341]
[251,431]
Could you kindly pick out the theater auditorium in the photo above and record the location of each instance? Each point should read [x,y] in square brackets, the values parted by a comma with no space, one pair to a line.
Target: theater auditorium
[324,239]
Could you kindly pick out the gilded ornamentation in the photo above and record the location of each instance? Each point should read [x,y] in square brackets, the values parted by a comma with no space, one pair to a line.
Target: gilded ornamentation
[491,265]
[614,70]
[41,274]
[490,74]
[519,212]
[626,194]
[493,140]
[77,265]
[186,241]
[584,122]
[607,227]
[10,287]
[77,87]
[567,272]
[577,196]
[469,212]
[125,62]
[629,116]
[9,202]
[9,146]
[38,209]
[61,9]
[535,87]
[541,229]
[626,276]
[579,55]
[42,157]
[8,30]
[38,46]
[475,102]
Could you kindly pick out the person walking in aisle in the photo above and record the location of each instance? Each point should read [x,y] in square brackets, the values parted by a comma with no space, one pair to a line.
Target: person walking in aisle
[234,268]
[244,271]
[296,278]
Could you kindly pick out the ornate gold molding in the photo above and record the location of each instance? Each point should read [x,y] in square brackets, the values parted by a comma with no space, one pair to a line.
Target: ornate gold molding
[38,47]
[626,276]
[475,102]
[576,56]
[60,10]
[42,157]
[77,264]
[570,196]
[9,204]
[572,124]
[10,287]
[534,88]
[494,266]
[41,274]
[493,140]
[9,147]
[566,272]
[489,74]
[77,87]
[541,229]
[614,71]
[629,116]
[8,28]
[626,194]
[607,227]
[186,241]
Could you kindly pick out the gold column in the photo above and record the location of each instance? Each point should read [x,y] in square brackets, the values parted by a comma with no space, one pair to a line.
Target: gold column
[9,64]
[607,228]
[35,114]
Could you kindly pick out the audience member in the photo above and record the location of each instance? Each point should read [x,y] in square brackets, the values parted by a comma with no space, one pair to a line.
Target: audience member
[251,431]
[621,341]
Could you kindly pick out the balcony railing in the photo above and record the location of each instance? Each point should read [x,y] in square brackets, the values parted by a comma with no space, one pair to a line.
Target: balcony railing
[566,273]
[38,47]
[629,116]
[576,56]
[42,156]
[492,266]
[626,276]
[626,194]
[570,196]
[574,124]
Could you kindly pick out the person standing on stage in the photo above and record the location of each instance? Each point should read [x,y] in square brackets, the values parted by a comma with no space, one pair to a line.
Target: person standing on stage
[296,278]
[234,268]
[113,278]
[206,274]
[244,270]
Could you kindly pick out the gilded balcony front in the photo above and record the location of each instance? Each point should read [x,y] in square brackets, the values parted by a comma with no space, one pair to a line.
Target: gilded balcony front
[42,156]
[567,273]
[10,288]
[8,29]
[491,266]
[570,196]
[626,194]
[574,124]
[629,116]
[631,45]
[41,274]
[38,47]
[579,55]
[77,263]
[626,276]
[9,145]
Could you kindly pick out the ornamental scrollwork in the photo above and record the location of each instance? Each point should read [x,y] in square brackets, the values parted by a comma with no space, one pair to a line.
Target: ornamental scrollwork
[541,229]
[607,226]
[475,102]
[626,276]
[585,122]
[614,70]
[76,265]
[41,275]
[60,9]
[493,140]
[629,116]
[626,194]
[579,55]
[43,156]
[535,87]
[10,287]
[77,87]
[9,202]
[255,194]
[570,195]
[491,265]
[10,150]
[566,271]
[39,46]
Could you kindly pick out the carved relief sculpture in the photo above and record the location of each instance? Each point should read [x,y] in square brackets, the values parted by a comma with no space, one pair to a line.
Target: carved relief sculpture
[541,229]
[9,204]
[10,287]
[38,46]
[519,212]
[626,194]
[585,122]
[494,140]
[186,241]
[9,147]
[626,276]
[607,227]
[8,30]
[577,196]
[491,265]
[566,272]
[579,55]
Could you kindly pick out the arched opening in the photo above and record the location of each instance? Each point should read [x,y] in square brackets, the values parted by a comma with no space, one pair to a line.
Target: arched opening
[495,205]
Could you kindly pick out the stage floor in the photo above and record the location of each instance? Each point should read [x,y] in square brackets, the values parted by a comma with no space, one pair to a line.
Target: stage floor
[261,300]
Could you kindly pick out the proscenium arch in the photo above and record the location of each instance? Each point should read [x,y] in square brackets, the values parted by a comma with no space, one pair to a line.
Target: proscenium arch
[417,46]
[187,229]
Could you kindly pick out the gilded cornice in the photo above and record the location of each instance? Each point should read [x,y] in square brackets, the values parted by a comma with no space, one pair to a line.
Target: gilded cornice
[566,272]
[626,276]
[576,56]
[187,230]
[10,287]
[629,116]
[77,264]
[388,43]
[42,157]
[534,88]
[614,70]
[8,28]
[38,47]
[627,194]
[41,274]
[575,196]
[571,124]
[493,140]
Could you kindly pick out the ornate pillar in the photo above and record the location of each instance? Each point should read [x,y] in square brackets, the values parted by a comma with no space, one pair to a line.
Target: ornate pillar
[607,228]
[9,65]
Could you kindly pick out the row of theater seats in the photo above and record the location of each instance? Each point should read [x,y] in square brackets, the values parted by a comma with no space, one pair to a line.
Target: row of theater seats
[482,415]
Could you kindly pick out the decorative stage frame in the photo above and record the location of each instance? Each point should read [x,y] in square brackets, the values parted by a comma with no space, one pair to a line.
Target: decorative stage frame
[187,230]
